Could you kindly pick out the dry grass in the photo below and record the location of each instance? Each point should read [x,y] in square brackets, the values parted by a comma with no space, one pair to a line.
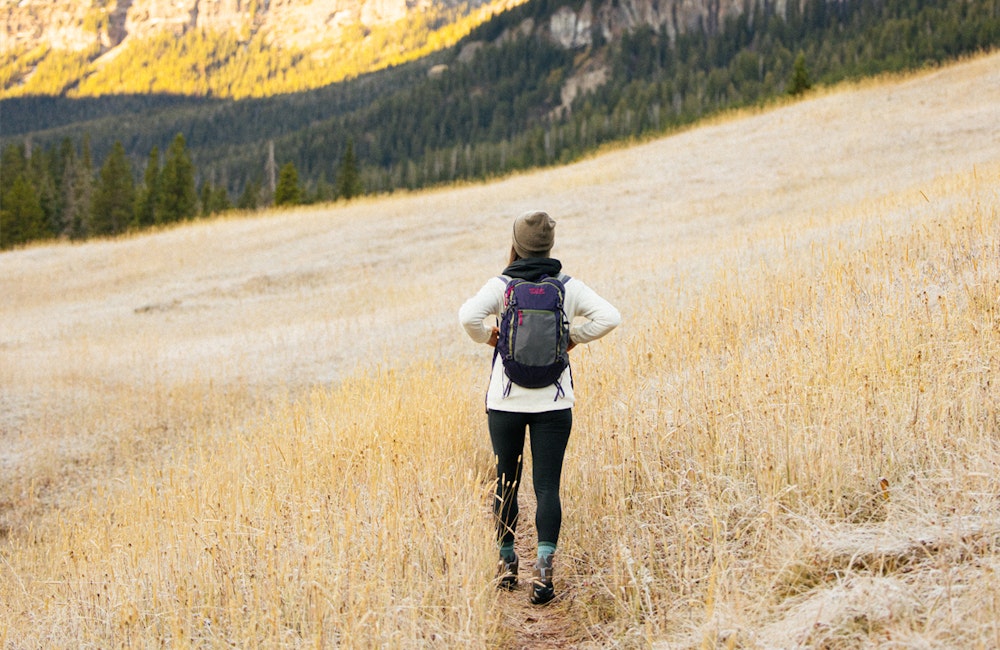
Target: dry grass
[268,431]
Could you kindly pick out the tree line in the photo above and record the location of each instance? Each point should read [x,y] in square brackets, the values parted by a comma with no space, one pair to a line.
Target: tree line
[56,192]
[500,110]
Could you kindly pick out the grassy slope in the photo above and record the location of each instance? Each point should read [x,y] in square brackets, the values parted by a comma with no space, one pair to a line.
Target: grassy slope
[269,429]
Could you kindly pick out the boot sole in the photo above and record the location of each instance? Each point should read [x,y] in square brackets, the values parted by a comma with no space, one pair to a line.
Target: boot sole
[541,596]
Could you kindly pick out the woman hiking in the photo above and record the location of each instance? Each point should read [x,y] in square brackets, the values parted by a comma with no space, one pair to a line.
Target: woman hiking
[539,404]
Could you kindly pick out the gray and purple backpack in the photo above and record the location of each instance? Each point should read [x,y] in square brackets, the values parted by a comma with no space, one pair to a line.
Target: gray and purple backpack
[534,332]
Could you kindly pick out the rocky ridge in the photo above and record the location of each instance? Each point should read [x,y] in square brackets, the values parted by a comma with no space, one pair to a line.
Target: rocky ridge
[109,23]
[608,19]
[106,29]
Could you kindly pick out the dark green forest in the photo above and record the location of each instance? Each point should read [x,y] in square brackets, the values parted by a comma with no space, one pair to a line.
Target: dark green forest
[442,119]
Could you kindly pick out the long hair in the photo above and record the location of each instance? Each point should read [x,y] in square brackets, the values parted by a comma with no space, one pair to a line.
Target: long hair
[513,255]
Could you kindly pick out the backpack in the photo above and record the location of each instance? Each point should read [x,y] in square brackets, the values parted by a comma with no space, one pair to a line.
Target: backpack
[534,332]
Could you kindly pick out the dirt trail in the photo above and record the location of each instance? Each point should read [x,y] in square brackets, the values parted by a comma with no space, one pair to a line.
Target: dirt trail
[558,624]
[533,628]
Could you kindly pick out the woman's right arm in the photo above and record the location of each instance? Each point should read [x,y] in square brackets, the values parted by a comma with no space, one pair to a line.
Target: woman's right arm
[600,315]
[474,312]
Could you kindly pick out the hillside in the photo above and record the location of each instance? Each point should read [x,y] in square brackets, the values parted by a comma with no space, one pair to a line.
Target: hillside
[235,49]
[228,49]
[221,433]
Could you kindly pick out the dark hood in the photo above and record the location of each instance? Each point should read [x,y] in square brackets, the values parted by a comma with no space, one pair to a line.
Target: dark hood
[532,268]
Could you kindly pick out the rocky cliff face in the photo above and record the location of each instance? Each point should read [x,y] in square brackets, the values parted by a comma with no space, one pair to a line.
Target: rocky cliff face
[610,18]
[84,24]
[106,29]
[33,22]
[576,29]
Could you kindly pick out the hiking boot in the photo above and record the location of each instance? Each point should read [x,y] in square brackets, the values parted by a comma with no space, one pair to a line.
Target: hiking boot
[541,581]
[507,574]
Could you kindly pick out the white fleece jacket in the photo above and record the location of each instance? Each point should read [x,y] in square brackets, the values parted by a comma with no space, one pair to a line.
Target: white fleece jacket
[600,317]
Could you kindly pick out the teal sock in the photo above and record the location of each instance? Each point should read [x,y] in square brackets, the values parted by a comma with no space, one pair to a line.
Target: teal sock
[546,548]
[507,552]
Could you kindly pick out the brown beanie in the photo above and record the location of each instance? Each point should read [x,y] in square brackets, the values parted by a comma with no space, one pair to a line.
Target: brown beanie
[534,233]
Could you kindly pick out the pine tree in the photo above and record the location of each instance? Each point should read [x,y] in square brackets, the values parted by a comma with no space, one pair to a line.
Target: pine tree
[77,191]
[288,191]
[324,191]
[56,167]
[800,76]
[213,199]
[21,218]
[68,215]
[219,201]
[113,206]
[250,198]
[348,177]
[205,198]
[40,176]
[178,198]
[148,198]
[13,165]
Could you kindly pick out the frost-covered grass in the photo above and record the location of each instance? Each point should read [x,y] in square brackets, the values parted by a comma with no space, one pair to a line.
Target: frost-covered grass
[268,430]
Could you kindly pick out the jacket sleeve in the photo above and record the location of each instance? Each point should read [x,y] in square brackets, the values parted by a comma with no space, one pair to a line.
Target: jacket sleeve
[474,312]
[601,316]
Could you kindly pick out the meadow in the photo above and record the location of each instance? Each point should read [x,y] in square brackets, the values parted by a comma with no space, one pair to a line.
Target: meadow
[268,430]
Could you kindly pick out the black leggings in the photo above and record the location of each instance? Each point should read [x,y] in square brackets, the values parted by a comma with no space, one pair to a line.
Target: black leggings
[549,435]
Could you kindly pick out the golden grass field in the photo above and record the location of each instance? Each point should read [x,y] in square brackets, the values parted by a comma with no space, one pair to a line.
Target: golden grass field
[267,430]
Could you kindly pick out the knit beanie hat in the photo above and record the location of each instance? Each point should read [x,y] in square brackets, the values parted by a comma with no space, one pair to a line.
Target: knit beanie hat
[534,232]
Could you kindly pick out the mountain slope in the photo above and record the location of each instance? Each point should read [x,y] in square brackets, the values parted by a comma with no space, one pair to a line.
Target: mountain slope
[234,48]
[229,48]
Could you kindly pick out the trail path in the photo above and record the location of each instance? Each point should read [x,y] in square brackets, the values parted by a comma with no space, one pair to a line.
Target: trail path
[533,627]
[538,628]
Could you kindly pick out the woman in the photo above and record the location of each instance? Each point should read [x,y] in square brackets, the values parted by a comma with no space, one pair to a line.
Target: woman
[547,412]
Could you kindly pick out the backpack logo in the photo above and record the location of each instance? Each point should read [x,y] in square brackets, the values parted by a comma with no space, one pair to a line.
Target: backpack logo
[534,332]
